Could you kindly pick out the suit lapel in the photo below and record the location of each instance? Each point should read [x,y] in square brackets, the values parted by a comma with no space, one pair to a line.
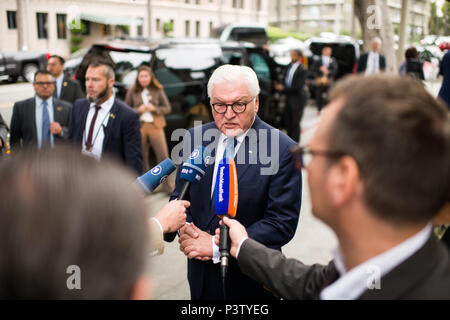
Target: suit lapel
[410,273]
[248,150]
[32,118]
[57,114]
[112,116]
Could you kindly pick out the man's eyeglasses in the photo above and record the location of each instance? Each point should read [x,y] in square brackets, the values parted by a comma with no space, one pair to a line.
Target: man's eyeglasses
[44,83]
[302,156]
[237,107]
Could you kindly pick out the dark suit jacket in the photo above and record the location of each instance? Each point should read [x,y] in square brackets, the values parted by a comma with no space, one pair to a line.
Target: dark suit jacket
[332,67]
[268,206]
[3,134]
[23,121]
[122,133]
[424,275]
[362,62]
[444,92]
[70,90]
[295,94]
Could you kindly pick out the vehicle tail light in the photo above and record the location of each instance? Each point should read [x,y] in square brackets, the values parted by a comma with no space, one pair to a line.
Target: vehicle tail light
[355,65]
[48,56]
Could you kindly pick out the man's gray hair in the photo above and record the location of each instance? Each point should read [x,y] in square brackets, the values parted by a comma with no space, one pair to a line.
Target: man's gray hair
[376,39]
[233,73]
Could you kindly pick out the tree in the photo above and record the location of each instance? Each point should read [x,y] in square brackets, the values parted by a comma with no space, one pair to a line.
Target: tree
[375,21]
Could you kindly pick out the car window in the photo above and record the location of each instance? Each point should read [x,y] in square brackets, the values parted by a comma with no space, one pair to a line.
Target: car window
[190,57]
[232,57]
[128,62]
[260,65]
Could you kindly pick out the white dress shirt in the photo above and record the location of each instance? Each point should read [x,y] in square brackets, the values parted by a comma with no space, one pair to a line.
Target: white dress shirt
[38,102]
[373,63]
[98,135]
[146,116]
[219,155]
[291,72]
[352,283]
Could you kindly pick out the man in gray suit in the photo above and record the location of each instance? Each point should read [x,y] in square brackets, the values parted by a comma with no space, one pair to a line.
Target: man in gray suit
[65,88]
[378,172]
[42,120]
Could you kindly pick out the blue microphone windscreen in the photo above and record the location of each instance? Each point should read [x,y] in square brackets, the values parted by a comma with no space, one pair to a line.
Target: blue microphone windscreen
[155,176]
[194,167]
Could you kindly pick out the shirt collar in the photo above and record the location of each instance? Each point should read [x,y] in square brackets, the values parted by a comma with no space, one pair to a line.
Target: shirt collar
[39,101]
[107,105]
[352,283]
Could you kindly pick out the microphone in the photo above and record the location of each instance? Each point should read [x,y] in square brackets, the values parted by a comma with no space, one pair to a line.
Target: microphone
[155,176]
[192,171]
[225,200]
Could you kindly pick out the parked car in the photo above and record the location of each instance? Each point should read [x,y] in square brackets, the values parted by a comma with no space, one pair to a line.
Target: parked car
[253,33]
[21,63]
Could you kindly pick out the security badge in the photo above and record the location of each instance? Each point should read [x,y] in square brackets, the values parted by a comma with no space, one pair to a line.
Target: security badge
[59,108]
[65,84]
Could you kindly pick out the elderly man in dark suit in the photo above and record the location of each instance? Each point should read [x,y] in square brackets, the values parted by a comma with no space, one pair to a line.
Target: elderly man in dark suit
[269,201]
[373,61]
[103,125]
[43,120]
[378,197]
[294,90]
[65,88]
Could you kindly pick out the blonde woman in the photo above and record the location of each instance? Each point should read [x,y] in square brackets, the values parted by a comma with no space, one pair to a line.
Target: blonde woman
[147,97]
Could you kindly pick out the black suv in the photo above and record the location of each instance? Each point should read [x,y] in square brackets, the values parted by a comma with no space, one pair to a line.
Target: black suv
[183,67]
[344,49]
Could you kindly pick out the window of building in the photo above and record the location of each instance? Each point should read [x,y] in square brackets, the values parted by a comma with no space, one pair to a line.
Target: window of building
[11,16]
[258,5]
[42,29]
[234,3]
[106,30]
[187,26]
[158,24]
[186,1]
[197,1]
[211,28]
[61,26]
[242,4]
[87,27]
[197,28]
[140,27]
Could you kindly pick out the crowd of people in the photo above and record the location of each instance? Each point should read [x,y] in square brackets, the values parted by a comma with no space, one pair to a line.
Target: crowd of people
[381,182]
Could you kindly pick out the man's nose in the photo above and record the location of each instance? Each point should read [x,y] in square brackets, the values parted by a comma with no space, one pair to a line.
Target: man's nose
[229,114]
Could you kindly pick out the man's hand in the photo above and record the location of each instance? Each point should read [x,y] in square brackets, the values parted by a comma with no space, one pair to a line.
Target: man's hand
[324,70]
[55,128]
[279,87]
[173,215]
[150,107]
[199,247]
[237,233]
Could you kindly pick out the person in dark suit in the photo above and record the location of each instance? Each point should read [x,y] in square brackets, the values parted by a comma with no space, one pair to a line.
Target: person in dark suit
[373,61]
[324,70]
[65,88]
[43,120]
[103,125]
[387,249]
[3,135]
[269,202]
[412,66]
[294,91]
[444,70]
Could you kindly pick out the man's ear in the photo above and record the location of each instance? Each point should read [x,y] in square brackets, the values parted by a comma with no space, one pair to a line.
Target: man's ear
[343,181]
[110,83]
[143,289]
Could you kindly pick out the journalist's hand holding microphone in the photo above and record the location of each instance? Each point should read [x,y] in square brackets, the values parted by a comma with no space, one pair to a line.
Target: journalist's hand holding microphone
[173,215]
[237,234]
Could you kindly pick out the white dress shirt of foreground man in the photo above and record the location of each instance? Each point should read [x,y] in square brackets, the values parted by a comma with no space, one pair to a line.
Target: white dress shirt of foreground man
[378,172]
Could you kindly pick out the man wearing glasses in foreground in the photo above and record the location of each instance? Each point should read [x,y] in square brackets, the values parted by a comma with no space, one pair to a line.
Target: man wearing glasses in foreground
[41,121]
[378,171]
[269,201]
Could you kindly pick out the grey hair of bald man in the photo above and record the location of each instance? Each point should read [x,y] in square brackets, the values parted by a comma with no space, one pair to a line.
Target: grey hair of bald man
[236,74]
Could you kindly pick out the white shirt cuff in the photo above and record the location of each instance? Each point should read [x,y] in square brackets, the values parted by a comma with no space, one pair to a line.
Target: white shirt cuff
[159,224]
[216,253]
[239,247]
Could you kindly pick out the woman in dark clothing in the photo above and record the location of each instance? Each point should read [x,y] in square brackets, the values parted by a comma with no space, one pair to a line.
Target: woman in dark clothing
[412,66]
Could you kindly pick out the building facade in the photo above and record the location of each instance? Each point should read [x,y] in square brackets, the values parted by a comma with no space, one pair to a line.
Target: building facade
[313,16]
[45,22]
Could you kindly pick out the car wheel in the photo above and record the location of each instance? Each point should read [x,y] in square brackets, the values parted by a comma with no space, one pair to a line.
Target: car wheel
[28,71]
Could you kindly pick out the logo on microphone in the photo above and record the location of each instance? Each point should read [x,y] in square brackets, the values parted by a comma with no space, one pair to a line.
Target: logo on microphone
[194,154]
[156,170]
[163,179]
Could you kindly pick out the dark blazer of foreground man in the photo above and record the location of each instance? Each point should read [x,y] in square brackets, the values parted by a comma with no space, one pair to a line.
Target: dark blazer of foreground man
[377,182]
